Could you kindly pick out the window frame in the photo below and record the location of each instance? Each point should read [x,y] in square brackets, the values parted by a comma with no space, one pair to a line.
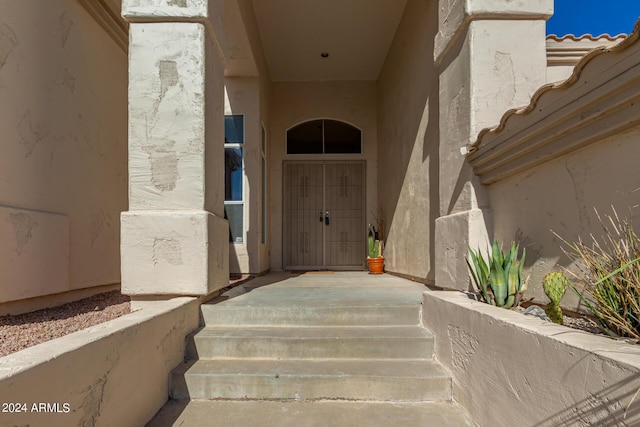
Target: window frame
[264,165]
[240,145]
[323,153]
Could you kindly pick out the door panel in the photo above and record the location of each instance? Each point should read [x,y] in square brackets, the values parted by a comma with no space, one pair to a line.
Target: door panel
[303,195]
[344,200]
[311,190]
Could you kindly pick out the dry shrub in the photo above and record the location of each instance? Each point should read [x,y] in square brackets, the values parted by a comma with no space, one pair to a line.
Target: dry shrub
[609,279]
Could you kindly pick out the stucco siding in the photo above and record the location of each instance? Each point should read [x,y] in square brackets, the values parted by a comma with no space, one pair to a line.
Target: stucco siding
[408,112]
[562,196]
[63,169]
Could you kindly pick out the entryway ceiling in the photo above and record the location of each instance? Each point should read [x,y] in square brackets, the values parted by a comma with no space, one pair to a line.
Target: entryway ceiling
[355,33]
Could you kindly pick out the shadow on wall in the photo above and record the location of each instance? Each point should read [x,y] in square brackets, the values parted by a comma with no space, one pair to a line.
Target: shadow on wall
[603,408]
[408,152]
[585,183]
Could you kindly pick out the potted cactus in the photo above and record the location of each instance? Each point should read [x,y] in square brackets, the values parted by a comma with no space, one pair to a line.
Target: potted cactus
[375,260]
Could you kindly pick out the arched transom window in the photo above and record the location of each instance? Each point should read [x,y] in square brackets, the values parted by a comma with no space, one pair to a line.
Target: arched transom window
[324,137]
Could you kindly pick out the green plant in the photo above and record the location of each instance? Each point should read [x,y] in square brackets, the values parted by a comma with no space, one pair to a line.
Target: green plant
[609,277]
[555,285]
[374,243]
[499,279]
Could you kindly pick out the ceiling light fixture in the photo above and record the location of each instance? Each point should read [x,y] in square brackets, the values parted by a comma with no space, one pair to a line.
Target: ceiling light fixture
[324,54]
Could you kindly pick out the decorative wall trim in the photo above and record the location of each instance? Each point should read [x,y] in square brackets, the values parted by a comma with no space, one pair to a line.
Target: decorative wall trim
[108,16]
[569,50]
[601,98]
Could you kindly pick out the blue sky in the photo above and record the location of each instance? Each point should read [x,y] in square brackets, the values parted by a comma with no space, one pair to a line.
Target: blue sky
[594,17]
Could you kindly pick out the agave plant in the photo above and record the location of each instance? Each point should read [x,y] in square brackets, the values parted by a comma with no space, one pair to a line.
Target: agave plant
[499,279]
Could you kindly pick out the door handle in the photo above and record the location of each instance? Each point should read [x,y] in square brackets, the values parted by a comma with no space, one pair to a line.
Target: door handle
[321,217]
[326,218]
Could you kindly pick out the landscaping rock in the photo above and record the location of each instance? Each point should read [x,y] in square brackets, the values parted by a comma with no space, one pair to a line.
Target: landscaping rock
[538,312]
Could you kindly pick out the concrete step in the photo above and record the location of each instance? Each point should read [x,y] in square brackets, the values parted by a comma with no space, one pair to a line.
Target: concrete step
[311,301]
[380,380]
[236,315]
[384,342]
[200,413]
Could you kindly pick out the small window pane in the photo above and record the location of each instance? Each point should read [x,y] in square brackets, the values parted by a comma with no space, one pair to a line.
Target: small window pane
[234,213]
[234,129]
[233,174]
[341,138]
[305,138]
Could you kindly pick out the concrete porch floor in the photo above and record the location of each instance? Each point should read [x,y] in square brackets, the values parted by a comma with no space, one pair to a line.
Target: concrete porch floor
[339,288]
[315,301]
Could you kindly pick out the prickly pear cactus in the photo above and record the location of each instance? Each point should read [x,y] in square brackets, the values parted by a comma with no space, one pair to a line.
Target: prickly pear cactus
[555,285]
[554,312]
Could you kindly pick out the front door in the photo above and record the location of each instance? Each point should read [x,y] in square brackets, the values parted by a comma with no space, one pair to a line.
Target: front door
[324,216]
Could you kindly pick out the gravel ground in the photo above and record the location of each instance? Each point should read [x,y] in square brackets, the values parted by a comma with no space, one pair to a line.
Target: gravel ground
[581,323]
[28,329]
[569,319]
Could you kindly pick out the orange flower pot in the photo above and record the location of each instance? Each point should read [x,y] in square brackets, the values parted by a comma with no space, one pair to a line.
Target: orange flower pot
[376,265]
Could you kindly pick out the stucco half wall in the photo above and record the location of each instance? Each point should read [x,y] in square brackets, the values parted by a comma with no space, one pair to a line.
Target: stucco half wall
[514,370]
[113,374]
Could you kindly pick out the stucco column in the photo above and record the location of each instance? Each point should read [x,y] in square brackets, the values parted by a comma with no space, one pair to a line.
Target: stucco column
[174,236]
[491,57]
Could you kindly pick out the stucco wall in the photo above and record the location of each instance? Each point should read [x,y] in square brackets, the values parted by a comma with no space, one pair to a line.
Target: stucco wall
[295,102]
[496,62]
[408,137]
[63,166]
[113,374]
[514,370]
[561,195]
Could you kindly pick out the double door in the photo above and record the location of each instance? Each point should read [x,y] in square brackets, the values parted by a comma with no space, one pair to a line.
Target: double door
[324,215]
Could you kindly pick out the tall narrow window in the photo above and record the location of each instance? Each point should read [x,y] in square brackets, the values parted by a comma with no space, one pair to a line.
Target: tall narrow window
[264,185]
[234,176]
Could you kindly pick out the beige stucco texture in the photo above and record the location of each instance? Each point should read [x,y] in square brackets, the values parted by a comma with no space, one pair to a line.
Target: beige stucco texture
[166,116]
[63,168]
[493,62]
[113,374]
[173,237]
[454,15]
[568,156]
[514,370]
[33,238]
[408,133]
[565,196]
